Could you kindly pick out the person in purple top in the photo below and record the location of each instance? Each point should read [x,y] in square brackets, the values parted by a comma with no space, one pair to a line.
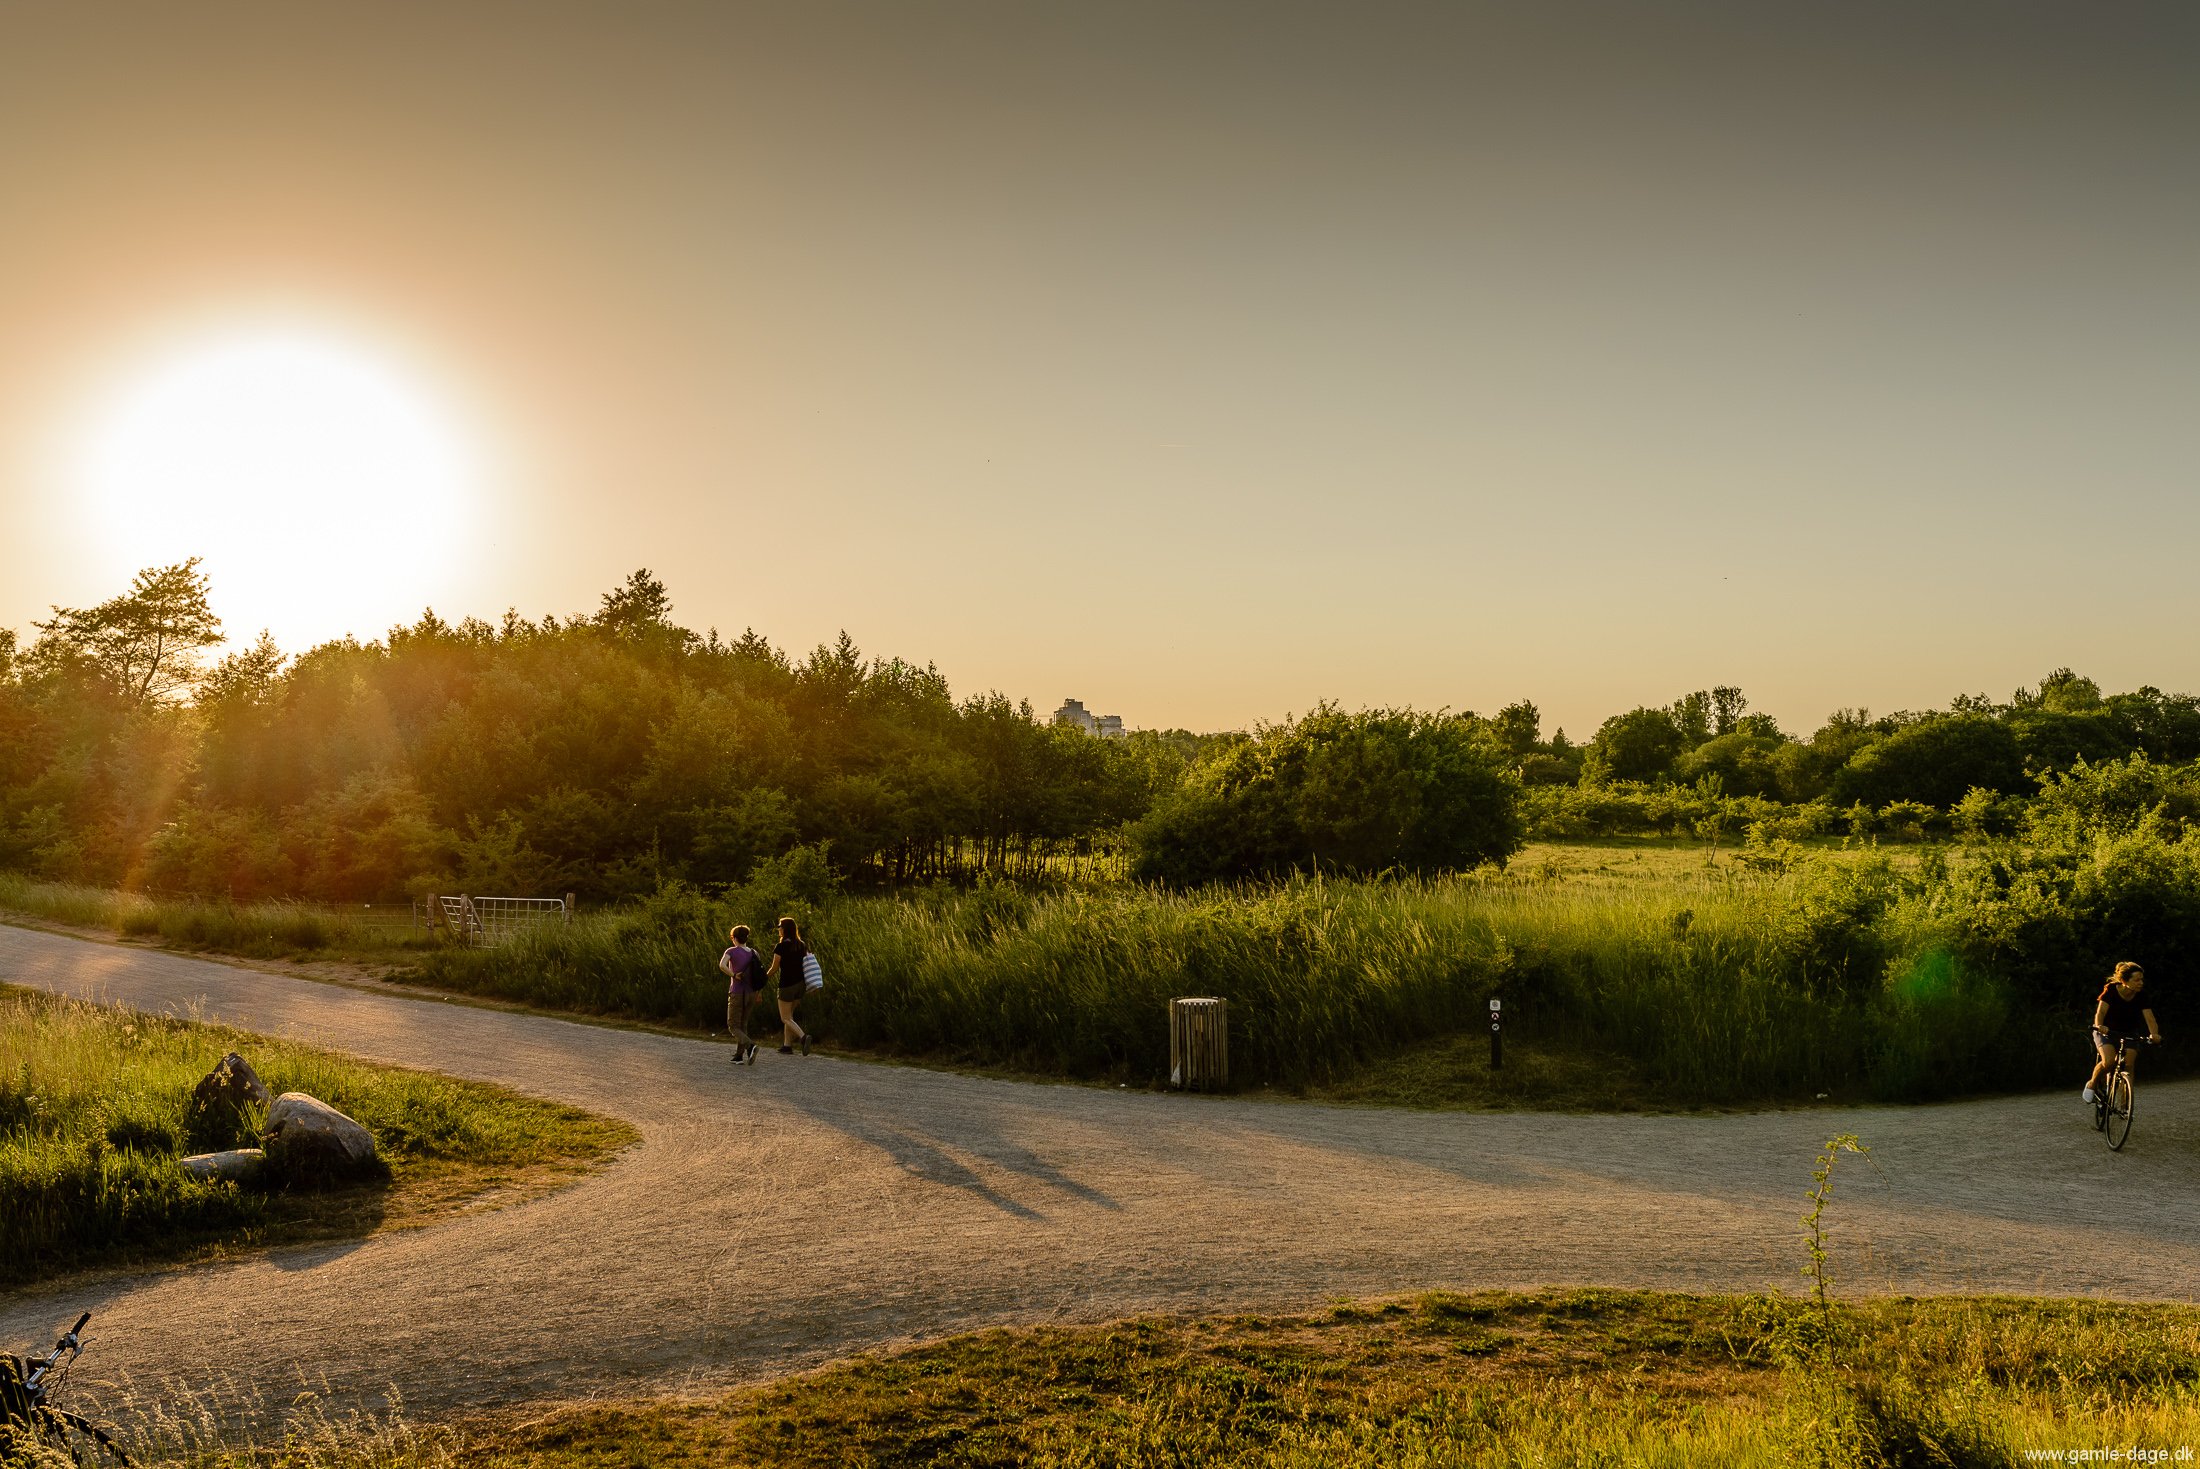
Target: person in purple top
[744,970]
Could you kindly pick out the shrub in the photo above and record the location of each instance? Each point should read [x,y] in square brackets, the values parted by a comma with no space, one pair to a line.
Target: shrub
[1937,761]
[1361,792]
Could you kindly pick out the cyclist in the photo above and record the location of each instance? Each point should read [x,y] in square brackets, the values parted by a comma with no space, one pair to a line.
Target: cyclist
[2119,1012]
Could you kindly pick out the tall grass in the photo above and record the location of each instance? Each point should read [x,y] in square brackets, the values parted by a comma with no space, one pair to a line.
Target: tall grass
[1842,973]
[265,930]
[1717,984]
[95,1110]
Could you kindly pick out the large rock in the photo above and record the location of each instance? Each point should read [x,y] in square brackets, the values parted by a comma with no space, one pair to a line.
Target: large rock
[231,1085]
[309,1141]
[240,1165]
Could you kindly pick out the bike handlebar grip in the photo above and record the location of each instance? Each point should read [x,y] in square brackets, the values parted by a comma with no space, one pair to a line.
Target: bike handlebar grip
[80,1323]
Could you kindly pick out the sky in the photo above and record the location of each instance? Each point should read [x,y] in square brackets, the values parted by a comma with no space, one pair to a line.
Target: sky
[1197,361]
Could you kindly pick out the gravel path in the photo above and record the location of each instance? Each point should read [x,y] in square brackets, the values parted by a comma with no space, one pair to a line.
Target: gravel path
[778,1216]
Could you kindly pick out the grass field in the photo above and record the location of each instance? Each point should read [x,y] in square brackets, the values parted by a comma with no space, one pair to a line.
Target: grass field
[1575,1378]
[94,1111]
[1644,973]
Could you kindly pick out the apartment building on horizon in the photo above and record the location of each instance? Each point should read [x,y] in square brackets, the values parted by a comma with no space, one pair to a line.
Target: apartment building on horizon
[1105,726]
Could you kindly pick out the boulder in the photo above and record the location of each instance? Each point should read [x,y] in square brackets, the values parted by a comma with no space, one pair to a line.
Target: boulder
[232,1084]
[307,1140]
[240,1165]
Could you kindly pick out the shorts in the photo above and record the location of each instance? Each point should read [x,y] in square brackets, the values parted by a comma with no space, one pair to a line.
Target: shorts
[792,994]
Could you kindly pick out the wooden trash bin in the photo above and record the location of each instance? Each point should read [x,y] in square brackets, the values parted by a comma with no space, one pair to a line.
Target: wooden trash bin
[1199,1044]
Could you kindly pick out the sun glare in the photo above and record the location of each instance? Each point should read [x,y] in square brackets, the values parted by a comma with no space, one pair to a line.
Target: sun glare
[328,483]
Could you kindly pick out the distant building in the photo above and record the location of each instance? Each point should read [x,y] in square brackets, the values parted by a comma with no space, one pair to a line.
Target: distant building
[1104,726]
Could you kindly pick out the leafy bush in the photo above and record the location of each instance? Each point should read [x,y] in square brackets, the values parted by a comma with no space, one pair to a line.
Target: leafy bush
[1366,792]
[1936,761]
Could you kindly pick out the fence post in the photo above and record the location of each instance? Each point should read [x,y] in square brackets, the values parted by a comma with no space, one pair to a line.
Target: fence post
[568,907]
[1199,1043]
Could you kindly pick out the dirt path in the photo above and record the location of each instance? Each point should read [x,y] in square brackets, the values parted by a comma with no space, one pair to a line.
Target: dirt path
[781,1215]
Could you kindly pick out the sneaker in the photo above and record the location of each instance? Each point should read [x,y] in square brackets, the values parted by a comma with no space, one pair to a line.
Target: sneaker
[752,1053]
[786,1050]
[805,1043]
[2088,1095]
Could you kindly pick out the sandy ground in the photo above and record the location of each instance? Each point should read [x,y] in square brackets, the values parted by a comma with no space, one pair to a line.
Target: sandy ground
[779,1216]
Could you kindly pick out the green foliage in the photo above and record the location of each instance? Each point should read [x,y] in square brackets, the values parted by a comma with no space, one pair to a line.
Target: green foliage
[1640,745]
[1362,792]
[1934,761]
[603,755]
[95,1108]
[1743,764]
[141,646]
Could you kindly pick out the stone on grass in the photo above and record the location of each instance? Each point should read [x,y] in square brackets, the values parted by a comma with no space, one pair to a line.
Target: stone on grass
[308,1141]
[239,1165]
[232,1085]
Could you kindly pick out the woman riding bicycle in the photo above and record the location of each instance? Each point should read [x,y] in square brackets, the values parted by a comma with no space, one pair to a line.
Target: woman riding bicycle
[2120,1014]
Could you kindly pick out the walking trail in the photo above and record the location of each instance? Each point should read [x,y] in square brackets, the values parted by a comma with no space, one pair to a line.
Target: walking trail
[777,1216]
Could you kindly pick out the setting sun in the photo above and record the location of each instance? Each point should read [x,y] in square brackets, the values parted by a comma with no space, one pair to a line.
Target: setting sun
[325,480]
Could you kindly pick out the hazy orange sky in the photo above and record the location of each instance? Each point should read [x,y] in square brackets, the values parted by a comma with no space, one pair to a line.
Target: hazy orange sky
[1198,361]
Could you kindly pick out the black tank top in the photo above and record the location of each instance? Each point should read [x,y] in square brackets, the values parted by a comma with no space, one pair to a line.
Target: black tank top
[2123,1016]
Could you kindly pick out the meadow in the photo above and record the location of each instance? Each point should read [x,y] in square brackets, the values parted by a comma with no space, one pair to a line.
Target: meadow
[95,1110]
[1633,973]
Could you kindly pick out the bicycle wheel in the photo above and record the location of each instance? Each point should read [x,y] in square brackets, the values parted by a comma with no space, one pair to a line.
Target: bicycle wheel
[2119,1110]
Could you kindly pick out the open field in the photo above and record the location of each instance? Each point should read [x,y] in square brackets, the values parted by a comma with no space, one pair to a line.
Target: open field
[95,1109]
[1564,1378]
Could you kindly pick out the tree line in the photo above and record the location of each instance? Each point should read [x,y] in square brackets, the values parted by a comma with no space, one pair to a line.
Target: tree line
[610,752]
[603,753]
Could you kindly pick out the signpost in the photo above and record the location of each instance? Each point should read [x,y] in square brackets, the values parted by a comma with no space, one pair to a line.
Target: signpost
[1497,1039]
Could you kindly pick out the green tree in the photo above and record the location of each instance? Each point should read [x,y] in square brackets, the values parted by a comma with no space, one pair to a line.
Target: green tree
[1519,728]
[1936,761]
[144,644]
[1727,708]
[1354,792]
[1638,745]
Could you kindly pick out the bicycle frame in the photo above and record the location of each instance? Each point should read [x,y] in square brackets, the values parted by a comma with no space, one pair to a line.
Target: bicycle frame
[2106,1114]
[24,1385]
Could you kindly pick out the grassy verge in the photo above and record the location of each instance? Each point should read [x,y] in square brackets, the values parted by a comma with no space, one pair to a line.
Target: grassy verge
[1559,1379]
[95,1110]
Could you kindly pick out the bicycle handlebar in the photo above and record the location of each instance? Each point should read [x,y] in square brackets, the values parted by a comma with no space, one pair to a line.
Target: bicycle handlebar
[80,1323]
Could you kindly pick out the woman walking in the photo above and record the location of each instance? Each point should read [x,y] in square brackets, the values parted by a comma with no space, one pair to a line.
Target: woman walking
[744,969]
[787,957]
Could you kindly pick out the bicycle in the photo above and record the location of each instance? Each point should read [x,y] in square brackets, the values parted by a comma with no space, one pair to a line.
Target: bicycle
[2113,1099]
[29,1419]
